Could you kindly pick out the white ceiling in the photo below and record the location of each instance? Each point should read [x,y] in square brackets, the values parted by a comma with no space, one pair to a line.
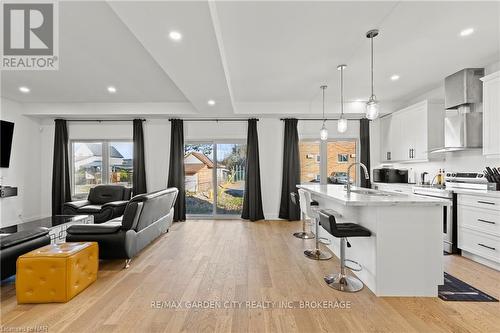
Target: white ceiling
[258,57]
[96,50]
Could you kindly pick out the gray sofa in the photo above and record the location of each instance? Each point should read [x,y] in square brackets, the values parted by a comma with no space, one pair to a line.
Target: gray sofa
[146,217]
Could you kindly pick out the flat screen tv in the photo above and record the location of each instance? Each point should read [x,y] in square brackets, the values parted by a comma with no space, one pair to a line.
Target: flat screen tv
[6,131]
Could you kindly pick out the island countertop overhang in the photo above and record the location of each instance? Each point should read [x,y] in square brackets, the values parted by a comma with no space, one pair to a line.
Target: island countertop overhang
[379,198]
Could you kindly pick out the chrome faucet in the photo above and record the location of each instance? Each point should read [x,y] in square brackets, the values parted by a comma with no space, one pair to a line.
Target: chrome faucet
[367,175]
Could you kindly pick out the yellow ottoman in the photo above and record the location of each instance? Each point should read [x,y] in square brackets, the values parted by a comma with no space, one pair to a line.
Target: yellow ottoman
[56,272]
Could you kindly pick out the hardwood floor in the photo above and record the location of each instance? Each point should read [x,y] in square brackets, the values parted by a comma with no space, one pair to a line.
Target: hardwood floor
[246,261]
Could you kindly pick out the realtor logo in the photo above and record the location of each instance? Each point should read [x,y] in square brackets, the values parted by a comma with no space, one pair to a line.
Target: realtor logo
[30,36]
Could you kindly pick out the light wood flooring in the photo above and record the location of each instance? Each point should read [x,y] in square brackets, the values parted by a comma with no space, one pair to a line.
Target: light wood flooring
[245,261]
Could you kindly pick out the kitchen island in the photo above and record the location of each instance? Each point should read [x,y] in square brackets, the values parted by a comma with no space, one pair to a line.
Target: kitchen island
[404,255]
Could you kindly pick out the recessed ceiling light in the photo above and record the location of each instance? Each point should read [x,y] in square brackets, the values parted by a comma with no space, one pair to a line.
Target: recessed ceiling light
[175,35]
[211,102]
[395,77]
[24,90]
[466,32]
[111,89]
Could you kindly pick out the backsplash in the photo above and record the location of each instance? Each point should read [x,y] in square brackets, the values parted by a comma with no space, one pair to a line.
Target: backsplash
[471,161]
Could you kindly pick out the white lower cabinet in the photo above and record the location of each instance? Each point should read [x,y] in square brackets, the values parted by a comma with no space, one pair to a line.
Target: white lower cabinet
[479,228]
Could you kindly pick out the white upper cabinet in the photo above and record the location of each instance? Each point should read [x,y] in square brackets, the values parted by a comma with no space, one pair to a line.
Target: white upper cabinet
[491,114]
[408,134]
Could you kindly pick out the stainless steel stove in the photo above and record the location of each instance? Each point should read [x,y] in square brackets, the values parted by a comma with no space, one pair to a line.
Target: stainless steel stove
[449,213]
[468,180]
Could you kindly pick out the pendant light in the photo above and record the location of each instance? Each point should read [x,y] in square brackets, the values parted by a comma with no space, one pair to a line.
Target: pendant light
[372,106]
[323,133]
[342,122]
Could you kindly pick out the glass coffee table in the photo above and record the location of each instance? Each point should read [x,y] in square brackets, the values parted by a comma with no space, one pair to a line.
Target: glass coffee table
[56,224]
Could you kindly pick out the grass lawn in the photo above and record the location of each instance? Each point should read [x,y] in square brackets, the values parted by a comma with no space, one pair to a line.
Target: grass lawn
[229,200]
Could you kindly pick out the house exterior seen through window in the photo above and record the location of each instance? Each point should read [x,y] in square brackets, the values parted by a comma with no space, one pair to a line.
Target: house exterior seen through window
[214,178]
[100,162]
[328,160]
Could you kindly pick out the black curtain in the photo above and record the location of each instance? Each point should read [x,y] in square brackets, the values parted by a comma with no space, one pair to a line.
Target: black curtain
[291,171]
[176,167]
[61,191]
[252,201]
[139,175]
[364,139]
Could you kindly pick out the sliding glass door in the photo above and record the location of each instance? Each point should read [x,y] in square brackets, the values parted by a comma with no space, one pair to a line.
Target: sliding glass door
[215,178]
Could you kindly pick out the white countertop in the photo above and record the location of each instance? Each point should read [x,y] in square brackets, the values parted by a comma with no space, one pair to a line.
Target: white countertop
[484,193]
[395,184]
[339,194]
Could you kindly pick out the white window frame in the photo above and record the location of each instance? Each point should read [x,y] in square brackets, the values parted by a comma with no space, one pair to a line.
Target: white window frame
[105,161]
[323,153]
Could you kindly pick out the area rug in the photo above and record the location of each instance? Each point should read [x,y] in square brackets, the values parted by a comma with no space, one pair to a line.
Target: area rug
[457,290]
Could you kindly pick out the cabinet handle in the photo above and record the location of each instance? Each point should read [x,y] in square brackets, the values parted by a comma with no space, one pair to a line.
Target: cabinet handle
[485,202]
[409,153]
[485,221]
[486,246]
[398,191]
[412,153]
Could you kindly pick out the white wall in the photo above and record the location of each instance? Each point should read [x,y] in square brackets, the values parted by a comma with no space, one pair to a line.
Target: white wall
[156,141]
[25,167]
[157,144]
[157,148]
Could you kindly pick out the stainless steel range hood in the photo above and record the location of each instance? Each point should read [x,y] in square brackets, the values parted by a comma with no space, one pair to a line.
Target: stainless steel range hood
[463,125]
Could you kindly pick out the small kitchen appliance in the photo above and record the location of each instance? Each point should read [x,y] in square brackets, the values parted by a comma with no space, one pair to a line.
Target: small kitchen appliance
[389,175]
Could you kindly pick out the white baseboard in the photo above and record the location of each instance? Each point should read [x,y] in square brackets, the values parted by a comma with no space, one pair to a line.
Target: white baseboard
[481,260]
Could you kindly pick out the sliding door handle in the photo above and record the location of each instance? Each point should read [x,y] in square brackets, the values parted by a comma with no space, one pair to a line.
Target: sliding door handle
[486,246]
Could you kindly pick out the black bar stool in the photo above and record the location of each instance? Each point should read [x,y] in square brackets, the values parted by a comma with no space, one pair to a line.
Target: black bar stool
[341,281]
[294,197]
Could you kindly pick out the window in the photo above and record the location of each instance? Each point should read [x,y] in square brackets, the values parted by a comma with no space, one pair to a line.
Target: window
[310,161]
[327,160]
[341,154]
[214,178]
[100,162]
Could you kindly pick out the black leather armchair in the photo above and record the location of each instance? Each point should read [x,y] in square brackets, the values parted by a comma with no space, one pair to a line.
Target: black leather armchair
[19,243]
[146,217]
[105,202]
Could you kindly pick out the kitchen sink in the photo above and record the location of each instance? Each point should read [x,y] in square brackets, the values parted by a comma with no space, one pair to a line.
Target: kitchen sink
[375,193]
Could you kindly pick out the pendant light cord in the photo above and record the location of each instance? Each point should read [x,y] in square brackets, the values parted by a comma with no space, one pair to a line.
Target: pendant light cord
[323,88]
[341,92]
[371,39]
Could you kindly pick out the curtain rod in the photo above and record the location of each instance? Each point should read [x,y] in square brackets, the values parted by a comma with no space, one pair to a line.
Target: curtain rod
[214,119]
[313,119]
[102,120]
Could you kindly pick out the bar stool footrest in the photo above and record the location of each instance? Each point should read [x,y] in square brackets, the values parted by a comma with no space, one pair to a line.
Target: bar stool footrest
[324,240]
[355,269]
